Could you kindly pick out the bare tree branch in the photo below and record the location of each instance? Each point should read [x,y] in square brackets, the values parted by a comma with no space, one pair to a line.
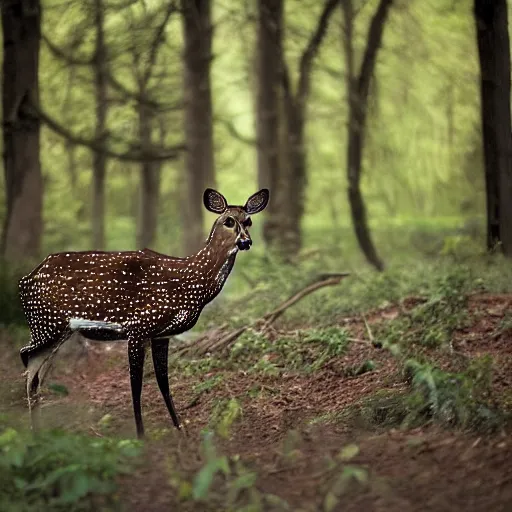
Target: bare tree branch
[61,54]
[155,44]
[133,155]
[311,50]
[143,99]
[233,131]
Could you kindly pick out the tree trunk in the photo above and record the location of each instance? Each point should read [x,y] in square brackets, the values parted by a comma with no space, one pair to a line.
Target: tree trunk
[357,91]
[150,183]
[281,124]
[199,161]
[491,19]
[21,24]
[296,111]
[269,51]
[295,184]
[99,164]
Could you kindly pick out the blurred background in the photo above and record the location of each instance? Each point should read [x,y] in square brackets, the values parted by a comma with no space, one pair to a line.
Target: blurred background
[363,118]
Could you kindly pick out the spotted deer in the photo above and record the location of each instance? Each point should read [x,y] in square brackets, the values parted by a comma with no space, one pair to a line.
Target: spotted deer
[143,297]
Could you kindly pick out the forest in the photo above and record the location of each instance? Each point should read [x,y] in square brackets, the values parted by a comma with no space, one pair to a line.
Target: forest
[359,355]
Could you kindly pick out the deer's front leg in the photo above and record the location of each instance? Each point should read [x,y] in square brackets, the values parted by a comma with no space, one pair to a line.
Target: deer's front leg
[160,353]
[136,356]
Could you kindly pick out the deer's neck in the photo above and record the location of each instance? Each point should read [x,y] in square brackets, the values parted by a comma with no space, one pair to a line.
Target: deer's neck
[215,262]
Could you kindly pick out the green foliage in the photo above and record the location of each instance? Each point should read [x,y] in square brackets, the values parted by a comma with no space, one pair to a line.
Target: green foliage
[432,322]
[60,471]
[307,351]
[334,339]
[365,367]
[208,384]
[223,483]
[213,465]
[454,399]
[224,415]
[407,275]
[341,475]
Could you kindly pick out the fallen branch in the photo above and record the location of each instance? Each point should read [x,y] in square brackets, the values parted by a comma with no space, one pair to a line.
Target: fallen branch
[209,343]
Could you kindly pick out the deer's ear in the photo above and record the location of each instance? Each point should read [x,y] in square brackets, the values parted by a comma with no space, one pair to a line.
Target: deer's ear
[214,201]
[257,202]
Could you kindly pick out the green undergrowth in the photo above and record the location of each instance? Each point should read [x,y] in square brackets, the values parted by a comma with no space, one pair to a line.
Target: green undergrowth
[436,314]
[234,484]
[461,400]
[303,351]
[272,283]
[61,471]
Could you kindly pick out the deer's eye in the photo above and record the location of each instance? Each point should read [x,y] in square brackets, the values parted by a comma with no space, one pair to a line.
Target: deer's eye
[229,222]
[248,222]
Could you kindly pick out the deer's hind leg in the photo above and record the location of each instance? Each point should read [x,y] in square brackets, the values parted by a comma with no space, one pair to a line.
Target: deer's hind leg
[38,362]
[136,357]
[160,353]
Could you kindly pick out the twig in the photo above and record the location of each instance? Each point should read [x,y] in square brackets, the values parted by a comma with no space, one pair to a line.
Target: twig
[376,344]
[195,401]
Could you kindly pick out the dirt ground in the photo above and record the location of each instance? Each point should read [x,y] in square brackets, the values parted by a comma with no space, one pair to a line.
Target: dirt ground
[425,469]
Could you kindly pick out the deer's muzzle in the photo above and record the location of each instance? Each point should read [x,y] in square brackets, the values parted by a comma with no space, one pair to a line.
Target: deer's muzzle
[244,244]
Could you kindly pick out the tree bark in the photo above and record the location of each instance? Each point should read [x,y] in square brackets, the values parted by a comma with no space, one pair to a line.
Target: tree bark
[99,164]
[358,87]
[491,18]
[296,114]
[199,160]
[268,58]
[281,114]
[150,183]
[22,230]
[150,170]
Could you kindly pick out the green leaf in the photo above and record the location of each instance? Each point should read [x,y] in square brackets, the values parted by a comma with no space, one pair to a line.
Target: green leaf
[348,452]
[245,481]
[185,490]
[78,489]
[330,502]
[357,473]
[275,501]
[203,480]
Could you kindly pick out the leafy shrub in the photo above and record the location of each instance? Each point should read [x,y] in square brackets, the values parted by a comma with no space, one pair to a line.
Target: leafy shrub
[55,471]
[454,399]
[433,321]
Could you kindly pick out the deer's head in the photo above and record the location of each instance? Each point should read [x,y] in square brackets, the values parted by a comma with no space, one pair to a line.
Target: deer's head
[234,221]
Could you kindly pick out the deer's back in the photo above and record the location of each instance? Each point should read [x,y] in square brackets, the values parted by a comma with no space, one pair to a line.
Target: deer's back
[99,285]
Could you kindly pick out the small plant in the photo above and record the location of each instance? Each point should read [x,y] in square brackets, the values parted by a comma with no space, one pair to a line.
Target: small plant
[302,351]
[208,384]
[432,322]
[214,464]
[365,367]
[56,471]
[225,413]
[341,475]
[331,342]
[334,339]
[223,483]
[455,399]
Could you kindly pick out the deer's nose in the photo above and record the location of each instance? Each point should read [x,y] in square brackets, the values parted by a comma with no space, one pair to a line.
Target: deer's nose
[244,244]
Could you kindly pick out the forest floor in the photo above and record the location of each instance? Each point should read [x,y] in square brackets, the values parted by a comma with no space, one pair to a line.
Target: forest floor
[404,408]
